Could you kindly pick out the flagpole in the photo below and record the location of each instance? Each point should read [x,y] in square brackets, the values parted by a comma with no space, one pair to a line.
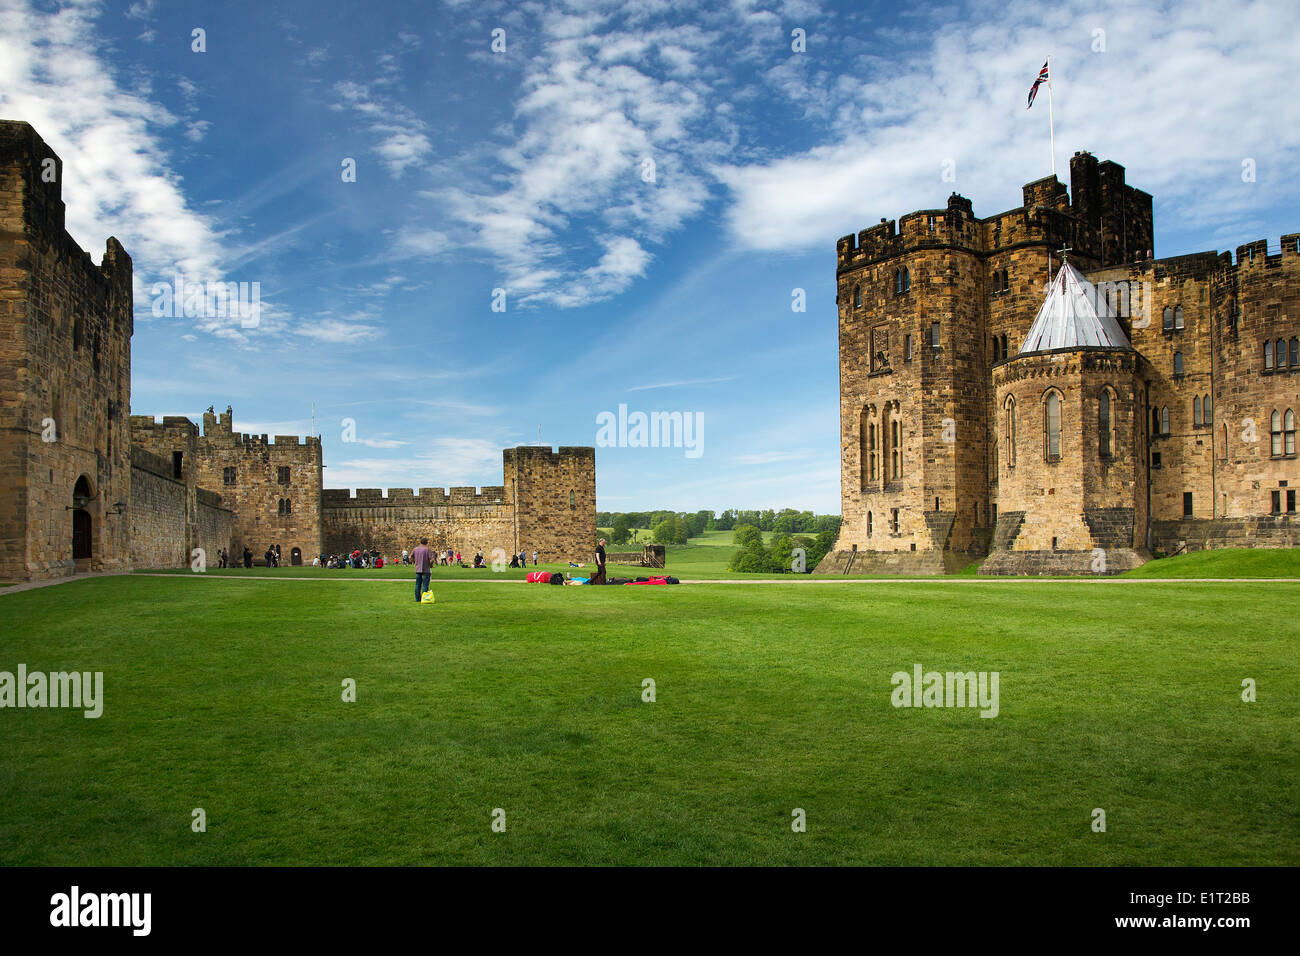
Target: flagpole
[1051,120]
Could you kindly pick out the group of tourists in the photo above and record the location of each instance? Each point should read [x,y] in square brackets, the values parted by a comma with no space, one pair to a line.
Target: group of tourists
[272,558]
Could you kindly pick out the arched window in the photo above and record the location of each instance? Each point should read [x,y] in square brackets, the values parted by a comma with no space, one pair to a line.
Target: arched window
[1268,354]
[1288,429]
[288,506]
[572,502]
[896,447]
[1178,317]
[1280,348]
[1207,416]
[279,508]
[1168,319]
[1005,351]
[1196,410]
[1164,420]
[857,297]
[1009,432]
[1275,431]
[997,344]
[1178,364]
[870,437]
[902,281]
[1105,429]
[1295,352]
[1052,427]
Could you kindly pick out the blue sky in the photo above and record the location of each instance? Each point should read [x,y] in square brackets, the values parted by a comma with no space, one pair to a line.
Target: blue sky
[526,170]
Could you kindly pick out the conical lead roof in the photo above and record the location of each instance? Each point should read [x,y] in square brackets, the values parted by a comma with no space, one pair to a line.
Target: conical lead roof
[1073,316]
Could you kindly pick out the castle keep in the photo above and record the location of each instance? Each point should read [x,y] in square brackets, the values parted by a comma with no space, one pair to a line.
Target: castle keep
[1033,387]
[85,485]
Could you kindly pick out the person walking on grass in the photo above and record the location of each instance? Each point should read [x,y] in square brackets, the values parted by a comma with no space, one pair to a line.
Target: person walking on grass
[420,558]
[598,576]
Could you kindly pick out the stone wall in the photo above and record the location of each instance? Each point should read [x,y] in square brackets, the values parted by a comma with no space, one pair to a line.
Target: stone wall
[158,514]
[546,504]
[463,519]
[65,374]
[169,519]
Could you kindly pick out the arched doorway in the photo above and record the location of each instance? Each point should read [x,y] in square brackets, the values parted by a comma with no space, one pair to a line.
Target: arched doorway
[82,526]
[295,556]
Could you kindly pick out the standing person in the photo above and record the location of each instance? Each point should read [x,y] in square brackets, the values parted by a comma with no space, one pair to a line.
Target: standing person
[277,555]
[248,557]
[406,556]
[523,559]
[534,559]
[598,576]
[420,558]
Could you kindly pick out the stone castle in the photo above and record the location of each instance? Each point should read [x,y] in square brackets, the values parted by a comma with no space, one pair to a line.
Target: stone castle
[1034,389]
[86,485]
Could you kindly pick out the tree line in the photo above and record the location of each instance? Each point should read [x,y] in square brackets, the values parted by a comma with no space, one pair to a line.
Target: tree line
[677,527]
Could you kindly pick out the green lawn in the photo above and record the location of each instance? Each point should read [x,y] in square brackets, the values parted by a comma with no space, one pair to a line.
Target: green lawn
[1225,563]
[225,695]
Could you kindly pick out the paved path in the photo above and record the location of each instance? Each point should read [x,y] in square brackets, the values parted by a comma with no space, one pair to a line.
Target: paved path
[801,582]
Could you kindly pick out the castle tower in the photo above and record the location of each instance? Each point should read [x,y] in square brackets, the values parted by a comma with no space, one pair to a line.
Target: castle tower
[1070,441]
[65,355]
[925,313]
[553,494]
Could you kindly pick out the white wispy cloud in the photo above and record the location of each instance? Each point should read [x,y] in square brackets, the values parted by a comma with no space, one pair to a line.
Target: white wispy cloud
[683,382]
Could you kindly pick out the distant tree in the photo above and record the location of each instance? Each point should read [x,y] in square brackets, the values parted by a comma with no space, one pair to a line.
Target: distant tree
[780,552]
[746,535]
[784,522]
[829,523]
[672,530]
[725,521]
[620,532]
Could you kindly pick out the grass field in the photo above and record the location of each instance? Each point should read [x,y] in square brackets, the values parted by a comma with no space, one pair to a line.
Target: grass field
[225,694]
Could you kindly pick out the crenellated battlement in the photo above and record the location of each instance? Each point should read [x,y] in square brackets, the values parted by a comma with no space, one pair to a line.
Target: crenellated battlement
[1256,255]
[1104,220]
[487,496]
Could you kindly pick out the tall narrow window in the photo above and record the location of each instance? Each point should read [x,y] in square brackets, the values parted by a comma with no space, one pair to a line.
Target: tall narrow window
[1103,424]
[1268,354]
[1178,317]
[1275,432]
[1164,420]
[1005,351]
[1280,348]
[1052,427]
[1207,417]
[896,447]
[1178,364]
[997,343]
[1009,432]
[907,348]
[1288,429]
[1295,352]
[869,524]
[572,502]
[934,335]
[1168,317]
[893,520]
[1187,504]
[1196,410]
[178,465]
[282,474]
[872,450]
[857,297]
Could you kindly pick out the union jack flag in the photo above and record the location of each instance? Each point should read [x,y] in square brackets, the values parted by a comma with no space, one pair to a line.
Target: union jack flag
[1033,90]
